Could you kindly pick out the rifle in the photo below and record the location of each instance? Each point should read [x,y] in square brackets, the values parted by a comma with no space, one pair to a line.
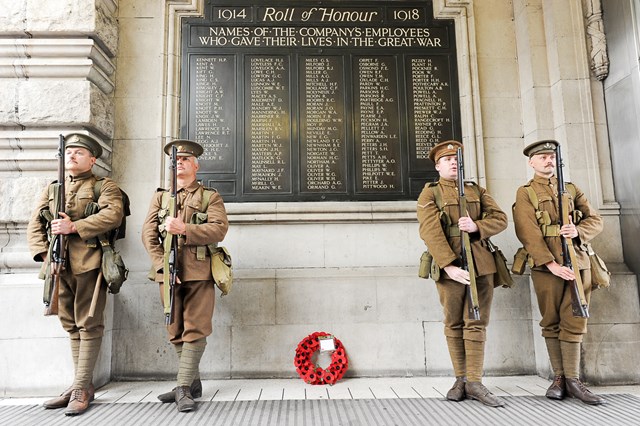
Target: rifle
[58,250]
[465,243]
[171,247]
[579,305]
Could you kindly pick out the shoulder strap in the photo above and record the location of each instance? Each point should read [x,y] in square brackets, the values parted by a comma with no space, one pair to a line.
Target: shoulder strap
[572,189]
[476,188]
[437,194]
[533,197]
[165,199]
[206,196]
[97,187]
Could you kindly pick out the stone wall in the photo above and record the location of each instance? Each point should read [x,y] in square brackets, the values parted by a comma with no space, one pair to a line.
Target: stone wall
[56,76]
[346,268]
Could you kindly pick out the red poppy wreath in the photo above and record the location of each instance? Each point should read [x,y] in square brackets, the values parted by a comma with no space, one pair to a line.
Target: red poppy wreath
[317,375]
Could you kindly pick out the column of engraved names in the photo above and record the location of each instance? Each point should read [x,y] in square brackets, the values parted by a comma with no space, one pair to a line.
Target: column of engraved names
[323,161]
[430,104]
[267,126]
[378,144]
[214,111]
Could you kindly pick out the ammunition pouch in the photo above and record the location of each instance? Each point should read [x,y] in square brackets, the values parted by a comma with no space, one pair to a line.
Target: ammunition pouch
[162,215]
[600,275]
[199,218]
[46,215]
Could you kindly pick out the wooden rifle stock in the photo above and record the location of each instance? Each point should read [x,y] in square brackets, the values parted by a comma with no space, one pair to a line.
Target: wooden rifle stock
[465,243]
[58,257]
[171,247]
[579,305]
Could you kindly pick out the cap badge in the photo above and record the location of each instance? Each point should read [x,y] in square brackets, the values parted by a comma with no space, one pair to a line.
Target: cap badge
[450,146]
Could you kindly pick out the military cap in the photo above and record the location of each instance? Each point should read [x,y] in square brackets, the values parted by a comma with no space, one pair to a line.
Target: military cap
[444,149]
[186,148]
[83,141]
[540,147]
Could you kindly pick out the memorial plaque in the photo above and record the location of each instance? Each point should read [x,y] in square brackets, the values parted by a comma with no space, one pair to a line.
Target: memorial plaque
[331,101]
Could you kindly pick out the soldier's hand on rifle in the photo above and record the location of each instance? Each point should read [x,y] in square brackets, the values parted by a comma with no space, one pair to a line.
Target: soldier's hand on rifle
[561,271]
[175,225]
[569,230]
[458,274]
[466,224]
[64,226]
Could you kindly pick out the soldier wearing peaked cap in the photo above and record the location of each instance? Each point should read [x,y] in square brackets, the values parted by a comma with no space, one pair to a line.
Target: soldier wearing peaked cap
[440,226]
[194,296]
[185,148]
[79,280]
[80,140]
[536,225]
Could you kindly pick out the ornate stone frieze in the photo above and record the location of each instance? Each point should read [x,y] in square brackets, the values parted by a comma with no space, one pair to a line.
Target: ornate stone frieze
[596,39]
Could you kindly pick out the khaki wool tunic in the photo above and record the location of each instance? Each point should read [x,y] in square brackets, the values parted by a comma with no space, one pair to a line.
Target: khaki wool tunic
[195,294]
[445,250]
[83,262]
[553,294]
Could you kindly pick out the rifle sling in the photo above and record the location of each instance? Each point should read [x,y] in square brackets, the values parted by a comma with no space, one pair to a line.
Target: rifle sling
[469,258]
[168,242]
[572,252]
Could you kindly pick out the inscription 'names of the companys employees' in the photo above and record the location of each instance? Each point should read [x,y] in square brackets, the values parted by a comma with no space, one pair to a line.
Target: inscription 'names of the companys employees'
[317,37]
[268,125]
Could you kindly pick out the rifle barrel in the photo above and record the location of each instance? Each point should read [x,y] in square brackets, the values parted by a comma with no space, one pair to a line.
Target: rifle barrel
[473,308]
[579,305]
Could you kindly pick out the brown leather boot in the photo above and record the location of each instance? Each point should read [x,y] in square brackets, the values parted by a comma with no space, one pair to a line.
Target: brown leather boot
[558,389]
[79,402]
[478,391]
[196,392]
[457,393]
[59,401]
[184,400]
[577,389]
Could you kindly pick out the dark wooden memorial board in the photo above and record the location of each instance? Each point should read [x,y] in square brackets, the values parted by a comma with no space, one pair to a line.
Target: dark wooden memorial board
[335,101]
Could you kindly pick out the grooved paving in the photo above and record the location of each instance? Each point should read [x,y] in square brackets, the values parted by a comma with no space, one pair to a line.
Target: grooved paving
[621,409]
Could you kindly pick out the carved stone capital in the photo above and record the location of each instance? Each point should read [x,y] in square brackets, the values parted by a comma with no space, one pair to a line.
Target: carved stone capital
[596,39]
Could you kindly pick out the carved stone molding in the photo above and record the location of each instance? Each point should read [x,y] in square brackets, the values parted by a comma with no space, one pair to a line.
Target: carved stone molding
[174,12]
[56,59]
[596,39]
[461,11]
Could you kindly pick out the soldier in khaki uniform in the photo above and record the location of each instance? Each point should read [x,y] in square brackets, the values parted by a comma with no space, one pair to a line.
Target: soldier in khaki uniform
[465,337]
[195,295]
[562,331]
[78,281]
